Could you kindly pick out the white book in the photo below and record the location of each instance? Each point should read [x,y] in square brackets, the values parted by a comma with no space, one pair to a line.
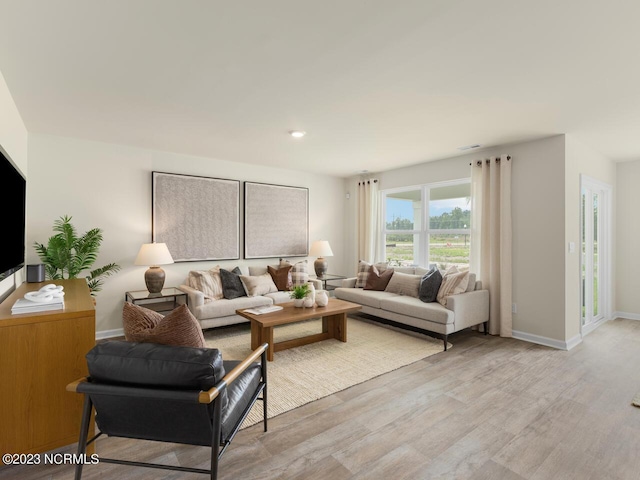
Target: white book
[265,309]
[22,305]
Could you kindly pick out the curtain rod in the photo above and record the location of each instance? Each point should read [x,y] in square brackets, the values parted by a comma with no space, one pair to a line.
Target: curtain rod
[367,181]
[479,162]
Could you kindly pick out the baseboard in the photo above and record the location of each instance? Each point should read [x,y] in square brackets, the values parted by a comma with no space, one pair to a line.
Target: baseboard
[587,329]
[118,332]
[546,341]
[627,315]
[574,341]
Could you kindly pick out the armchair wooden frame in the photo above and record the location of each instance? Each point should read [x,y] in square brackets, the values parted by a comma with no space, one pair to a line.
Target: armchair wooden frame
[211,396]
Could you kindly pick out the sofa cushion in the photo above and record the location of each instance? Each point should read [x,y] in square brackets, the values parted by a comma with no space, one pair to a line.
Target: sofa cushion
[371,298]
[454,282]
[255,270]
[363,272]
[207,282]
[430,285]
[378,280]
[226,307]
[414,307]
[178,328]
[403,284]
[279,297]
[232,286]
[472,282]
[281,277]
[407,270]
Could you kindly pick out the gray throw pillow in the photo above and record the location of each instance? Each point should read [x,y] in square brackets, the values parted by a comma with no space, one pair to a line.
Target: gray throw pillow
[430,285]
[232,286]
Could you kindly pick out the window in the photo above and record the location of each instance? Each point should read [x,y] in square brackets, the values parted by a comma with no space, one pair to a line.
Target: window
[428,224]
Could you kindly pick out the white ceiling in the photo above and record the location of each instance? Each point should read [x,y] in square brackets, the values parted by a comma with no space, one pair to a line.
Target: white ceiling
[376,84]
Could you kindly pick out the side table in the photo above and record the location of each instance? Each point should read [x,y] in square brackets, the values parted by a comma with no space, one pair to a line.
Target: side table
[165,301]
[329,277]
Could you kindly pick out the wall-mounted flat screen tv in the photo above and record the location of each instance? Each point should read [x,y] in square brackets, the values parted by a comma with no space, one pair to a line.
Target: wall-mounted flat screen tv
[13,190]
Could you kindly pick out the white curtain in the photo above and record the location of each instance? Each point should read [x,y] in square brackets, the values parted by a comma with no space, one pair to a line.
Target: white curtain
[491,237]
[368,220]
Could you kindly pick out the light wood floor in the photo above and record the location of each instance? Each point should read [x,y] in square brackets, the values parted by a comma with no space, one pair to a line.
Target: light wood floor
[489,408]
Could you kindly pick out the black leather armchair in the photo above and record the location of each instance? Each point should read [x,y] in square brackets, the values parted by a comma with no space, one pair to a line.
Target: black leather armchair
[169,394]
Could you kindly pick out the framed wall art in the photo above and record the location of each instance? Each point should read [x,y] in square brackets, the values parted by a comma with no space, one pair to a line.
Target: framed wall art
[276,221]
[197,217]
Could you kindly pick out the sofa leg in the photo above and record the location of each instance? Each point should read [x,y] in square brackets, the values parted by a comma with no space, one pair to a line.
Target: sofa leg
[444,339]
[486,327]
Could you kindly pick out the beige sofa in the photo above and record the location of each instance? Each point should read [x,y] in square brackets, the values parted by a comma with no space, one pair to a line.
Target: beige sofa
[462,311]
[218,313]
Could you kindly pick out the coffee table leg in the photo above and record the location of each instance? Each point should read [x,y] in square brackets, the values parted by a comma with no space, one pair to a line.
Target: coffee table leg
[336,326]
[260,335]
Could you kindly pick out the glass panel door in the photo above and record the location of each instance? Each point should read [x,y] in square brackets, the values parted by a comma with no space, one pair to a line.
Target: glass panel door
[593,250]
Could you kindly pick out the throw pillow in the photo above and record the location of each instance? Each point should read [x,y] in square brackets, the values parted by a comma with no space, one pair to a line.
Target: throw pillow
[258,285]
[179,328]
[377,280]
[299,271]
[430,285]
[454,282]
[232,286]
[404,284]
[363,272]
[207,282]
[281,277]
[137,319]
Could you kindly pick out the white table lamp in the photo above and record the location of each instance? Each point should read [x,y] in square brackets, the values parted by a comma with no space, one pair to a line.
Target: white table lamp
[153,255]
[320,249]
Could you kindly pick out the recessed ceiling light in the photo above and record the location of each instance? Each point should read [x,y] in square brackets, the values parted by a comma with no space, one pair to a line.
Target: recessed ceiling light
[297,133]
[470,147]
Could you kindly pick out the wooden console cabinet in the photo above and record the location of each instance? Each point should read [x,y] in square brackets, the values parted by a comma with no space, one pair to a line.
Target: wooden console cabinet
[40,353]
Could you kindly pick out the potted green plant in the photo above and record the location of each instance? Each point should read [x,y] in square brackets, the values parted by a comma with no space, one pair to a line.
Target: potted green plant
[66,254]
[298,293]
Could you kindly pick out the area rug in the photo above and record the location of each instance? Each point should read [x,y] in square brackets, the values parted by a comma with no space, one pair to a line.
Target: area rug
[303,374]
[635,401]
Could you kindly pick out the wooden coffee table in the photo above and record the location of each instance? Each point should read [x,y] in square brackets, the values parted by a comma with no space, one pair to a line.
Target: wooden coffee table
[334,324]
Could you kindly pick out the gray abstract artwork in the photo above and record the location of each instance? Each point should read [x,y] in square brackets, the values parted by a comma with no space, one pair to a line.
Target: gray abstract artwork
[197,217]
[276,221]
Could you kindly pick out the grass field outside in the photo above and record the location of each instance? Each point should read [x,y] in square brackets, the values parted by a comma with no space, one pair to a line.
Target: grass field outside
[444,250]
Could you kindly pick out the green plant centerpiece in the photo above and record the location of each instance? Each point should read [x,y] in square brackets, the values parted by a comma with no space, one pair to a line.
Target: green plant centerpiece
[66,254]
[299,292]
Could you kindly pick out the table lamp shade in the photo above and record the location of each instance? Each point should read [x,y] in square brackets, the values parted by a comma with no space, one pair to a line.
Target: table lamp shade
[320,249]
[154,254]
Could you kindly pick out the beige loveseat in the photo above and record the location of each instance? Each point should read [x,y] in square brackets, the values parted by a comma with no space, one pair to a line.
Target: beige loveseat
[221,312]
[462,311]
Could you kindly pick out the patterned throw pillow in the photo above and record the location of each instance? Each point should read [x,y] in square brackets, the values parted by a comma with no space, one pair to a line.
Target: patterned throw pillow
[179,328]
[281,277]
[454,282]
[207,282]
[299,271]
[377,280]
[363,272]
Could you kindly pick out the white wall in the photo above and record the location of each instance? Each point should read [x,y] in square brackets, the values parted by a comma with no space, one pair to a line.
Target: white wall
[13,139]
[628,232]
[581,160]
[109,186]
[538,225]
